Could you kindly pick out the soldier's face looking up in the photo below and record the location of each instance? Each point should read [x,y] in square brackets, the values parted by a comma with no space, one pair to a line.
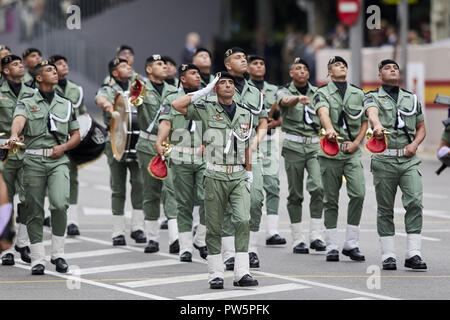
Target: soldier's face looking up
[299,73]
[225,88]
[14,69]
[190,79]
[338,70]
[171,70]
[257,68]
[63,68]
[158,69]
[127,55]
[202,60]
[236,63]
[389,74]
[47,75]
[122,72]
[32,60]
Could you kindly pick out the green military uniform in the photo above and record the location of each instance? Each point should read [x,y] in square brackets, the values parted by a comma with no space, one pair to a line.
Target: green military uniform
[187,166]
[392,169]
[173,82]
[446,133]
[225,180]
[203,82]
[252,98]
[346,115]
[154,189]
[74,93]
[118,174]
[300,152]
[28,78]
[109,79]
[42,172]
[13,169]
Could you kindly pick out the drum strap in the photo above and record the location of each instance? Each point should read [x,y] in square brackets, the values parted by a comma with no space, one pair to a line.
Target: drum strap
[52,117]
[80,99]
[150,127]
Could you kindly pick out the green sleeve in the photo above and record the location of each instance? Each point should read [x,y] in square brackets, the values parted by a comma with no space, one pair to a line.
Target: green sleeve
[280,95]
[420,117]
[320,101]
[196,111]
[20,110]
[106,92]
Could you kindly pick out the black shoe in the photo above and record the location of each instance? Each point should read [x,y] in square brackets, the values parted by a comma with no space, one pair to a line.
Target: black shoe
[47,222]
[164,225]
[318,245]
[253,259]
[8,259]
[139,236]
[174,247]
[216,283]
[72,230]
[301,248]
[202,250]
[119,241]
[415,263]
[152,246]
[390,264]
[38,270]
[275,240]
[186,257]
[354,254]
[61,265]
[333,255]
[246,281]
[24,253]
[229,264]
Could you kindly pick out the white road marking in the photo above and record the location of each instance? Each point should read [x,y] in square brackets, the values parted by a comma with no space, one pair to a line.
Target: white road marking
[129,266]
[91,211]
[164,281]
[93,253]
[323,285]
[251,291]
[67,241]
[358,298]
[97,284]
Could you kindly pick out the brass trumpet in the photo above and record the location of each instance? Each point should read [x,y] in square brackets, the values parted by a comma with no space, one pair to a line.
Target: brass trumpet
[168,147]
[323,133]
[369,133]
[137,93]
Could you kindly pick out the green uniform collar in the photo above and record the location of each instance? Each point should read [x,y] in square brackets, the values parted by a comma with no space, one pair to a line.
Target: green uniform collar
[405,99]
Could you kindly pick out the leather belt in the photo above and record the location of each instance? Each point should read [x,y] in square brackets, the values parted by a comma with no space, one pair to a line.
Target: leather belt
[40,152]
[228,169]
[394,152]
[300,139]
[148,136]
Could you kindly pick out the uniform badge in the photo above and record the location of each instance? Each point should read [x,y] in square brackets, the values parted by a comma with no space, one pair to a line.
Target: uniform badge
[35,109]
[245,126]
[217,117]
[165,109]
[149,94]
[383,101]
[3,98]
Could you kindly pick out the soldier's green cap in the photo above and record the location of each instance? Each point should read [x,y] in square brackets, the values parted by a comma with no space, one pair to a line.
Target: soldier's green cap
[8,59]
[29,51]
[385,62]
[299,60]
[169,59]
[202,50]
[254,57]
[124,47]
[233,50]
[155,57]
[114,63]
[187,66]
[56,57]
[225,75]
[337,59]
[42,64]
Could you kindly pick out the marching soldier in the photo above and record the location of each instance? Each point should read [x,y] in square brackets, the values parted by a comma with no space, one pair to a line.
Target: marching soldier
[202,59]
[300,152]
[74,93]
[156,102]
[245,93]
[171,72]
[269,148]
[399,112]
[125,52]
[187,165]
[121,73]
[228,172]
[31,58]
[339,107]
[46,120]
[12,89]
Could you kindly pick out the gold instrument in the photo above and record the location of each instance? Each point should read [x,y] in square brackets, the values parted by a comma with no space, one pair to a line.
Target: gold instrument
[168,147]
[137,93]
[323,133]
[369,133]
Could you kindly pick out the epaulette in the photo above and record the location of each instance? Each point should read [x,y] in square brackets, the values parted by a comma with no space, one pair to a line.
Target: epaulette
[243,106]
[406,91]
[356,87]
[376,90]
[27,95]
[29,84]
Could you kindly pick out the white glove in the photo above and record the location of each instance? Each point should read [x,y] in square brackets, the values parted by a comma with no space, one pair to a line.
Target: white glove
[249,178]
[205,91]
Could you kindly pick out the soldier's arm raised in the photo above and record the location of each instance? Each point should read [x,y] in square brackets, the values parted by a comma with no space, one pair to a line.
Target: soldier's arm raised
[182,103]
[104,104]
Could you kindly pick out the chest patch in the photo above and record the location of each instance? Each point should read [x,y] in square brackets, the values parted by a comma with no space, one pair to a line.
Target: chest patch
[3,98]
[217,117]
[35,109]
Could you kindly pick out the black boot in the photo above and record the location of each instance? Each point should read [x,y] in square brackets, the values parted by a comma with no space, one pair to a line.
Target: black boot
[246,281]
[301,248]
[253,259]
[8,260]
[216,283]
[38,270]
[138,236]
[174,247]
[333,255]
[229,264]
[61,265]
[186,257]
[119,241]
[202,250]
[318,245]
[354,254]
[72,230]
[276,239]
[415,263]
[390,264]
[164,225]
[152,246]
[24,253]
[47,222]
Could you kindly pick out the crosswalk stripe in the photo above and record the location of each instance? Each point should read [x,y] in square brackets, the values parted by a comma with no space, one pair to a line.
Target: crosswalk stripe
[93,253]
[66,241]
[129,266]
[245,292]
[92,211]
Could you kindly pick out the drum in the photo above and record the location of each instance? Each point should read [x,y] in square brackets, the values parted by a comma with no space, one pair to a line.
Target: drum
[124,130]
[93,139]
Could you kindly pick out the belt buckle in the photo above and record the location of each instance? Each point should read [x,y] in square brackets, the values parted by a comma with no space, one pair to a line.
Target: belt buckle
[229,169]
[47,152]
[308,140]
[400,152]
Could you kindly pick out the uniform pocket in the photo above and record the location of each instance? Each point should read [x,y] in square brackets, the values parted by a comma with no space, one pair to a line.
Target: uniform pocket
[36,123]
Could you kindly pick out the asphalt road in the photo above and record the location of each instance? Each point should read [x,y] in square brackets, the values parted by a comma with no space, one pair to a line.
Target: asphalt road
[103,272]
